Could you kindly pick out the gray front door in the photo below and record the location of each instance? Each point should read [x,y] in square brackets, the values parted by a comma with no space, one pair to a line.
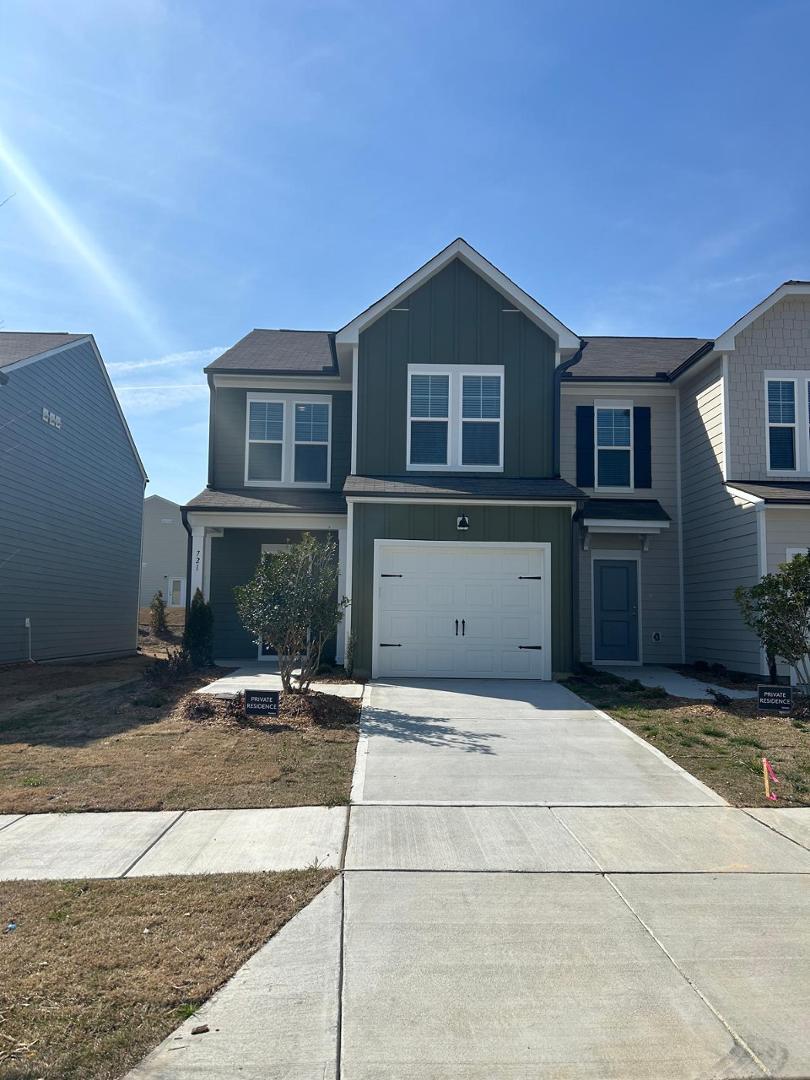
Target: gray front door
[615,609]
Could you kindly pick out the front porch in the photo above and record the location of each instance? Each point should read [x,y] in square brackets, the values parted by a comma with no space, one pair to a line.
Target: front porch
[225,550]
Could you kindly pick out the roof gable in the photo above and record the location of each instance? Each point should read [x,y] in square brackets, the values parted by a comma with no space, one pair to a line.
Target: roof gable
[727,340]
[459,249]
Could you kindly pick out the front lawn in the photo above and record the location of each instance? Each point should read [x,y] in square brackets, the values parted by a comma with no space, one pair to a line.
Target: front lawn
[97,973]
[722,745]
[110,745]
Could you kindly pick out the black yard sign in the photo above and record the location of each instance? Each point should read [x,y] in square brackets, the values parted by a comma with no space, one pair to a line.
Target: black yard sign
[261,702]
[775,699]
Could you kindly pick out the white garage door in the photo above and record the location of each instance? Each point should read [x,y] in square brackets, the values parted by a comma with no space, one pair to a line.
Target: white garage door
[462,610]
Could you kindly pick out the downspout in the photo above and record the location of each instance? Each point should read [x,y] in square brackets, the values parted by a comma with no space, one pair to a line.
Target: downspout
[559,371]
[211,408]
[184,519]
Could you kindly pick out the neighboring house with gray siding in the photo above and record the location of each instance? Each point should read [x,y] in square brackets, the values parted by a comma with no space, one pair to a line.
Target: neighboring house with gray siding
[71,501]
[507,497]
[164,552]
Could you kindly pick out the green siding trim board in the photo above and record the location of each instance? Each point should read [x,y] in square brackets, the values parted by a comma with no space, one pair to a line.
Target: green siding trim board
[496,524]
[456,317]
[234,557]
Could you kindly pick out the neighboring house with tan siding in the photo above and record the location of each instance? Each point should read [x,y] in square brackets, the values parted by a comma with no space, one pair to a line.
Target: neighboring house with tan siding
[509,497]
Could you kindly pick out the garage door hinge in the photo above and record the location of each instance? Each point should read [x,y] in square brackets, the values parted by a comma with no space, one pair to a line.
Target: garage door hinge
[390,645]
[390,575]
[529,577]
[530,646]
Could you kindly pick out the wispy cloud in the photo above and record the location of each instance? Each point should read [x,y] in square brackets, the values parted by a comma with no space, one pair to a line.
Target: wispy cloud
[160,396]
[199,357]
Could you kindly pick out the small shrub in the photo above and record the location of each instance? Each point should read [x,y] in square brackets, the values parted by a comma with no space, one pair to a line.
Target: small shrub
[198,637]
[157,614]
[176,666]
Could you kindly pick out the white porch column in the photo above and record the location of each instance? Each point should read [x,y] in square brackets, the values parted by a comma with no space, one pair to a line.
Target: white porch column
[341,637]
[198,546]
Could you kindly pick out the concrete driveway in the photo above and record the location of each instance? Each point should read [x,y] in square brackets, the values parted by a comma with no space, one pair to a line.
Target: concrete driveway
[529,892]
[496,742]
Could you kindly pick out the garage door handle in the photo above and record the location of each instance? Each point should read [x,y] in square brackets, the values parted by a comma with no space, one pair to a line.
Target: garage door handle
[529,577]
[390,645]
[463,624]
[530,646]
[456,627]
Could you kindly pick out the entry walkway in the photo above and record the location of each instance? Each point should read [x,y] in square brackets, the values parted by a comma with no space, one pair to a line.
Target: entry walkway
[529,892]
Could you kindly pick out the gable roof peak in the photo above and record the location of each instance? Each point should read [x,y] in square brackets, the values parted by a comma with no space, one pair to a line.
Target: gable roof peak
[566,339]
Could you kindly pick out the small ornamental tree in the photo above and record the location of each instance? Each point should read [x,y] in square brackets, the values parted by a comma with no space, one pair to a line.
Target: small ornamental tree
[157,614]
[777,609]
[291,603]
[198,637]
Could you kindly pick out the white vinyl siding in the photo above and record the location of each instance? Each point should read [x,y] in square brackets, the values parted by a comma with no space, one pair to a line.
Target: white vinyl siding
[455,418]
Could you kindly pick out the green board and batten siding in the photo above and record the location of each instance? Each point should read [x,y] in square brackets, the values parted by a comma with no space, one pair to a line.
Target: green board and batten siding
[455,318]
[496,524]
[228,425]
[234,558]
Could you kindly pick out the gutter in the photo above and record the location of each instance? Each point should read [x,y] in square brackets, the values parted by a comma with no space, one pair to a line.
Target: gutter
[559,371]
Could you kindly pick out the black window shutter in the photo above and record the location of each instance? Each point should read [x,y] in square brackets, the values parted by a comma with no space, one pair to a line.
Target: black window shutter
[642,450]
[585,445]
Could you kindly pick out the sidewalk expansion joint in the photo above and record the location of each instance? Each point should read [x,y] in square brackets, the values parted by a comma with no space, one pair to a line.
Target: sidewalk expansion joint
[738,1039]
[149,847]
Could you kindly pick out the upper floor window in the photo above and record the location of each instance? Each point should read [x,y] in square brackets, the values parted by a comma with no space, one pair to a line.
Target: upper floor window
[455,417]
[613,445]
[288,440]
[781,424]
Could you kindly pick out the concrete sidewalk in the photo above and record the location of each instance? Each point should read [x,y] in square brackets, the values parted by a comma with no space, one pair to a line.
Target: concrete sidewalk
[522,938]
[135,843]
[675,684]
[258,676]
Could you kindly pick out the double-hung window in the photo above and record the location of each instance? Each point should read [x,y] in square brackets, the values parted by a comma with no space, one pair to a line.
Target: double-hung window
[781,425]
[265,443]
[311,443]
[455,417]
[613,445]
[288,440]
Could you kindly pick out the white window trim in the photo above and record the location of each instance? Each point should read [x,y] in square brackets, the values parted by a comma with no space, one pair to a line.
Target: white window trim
[288,443]
[613,403]
[182,602]
[799,413]
[455,429]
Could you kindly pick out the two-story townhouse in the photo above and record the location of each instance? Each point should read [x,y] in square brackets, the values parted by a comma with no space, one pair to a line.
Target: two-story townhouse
[507,497]
[423,436]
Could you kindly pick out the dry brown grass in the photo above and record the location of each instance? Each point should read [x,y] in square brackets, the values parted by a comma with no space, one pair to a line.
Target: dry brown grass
[99,972]
[24,682]
[722,745]
[137,747]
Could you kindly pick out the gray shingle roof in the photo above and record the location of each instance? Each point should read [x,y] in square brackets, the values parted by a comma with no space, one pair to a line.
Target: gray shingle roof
[462,487]
[624,510]
[281,352]
[775,491]
[277,501]
[16,346]
[633,357]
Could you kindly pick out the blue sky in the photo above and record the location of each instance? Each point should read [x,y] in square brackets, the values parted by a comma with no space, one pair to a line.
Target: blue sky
[183,172]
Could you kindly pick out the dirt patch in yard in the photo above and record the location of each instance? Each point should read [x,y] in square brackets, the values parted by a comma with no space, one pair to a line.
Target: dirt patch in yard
[22,682]
[722,745]
[97,973]
[139,746]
